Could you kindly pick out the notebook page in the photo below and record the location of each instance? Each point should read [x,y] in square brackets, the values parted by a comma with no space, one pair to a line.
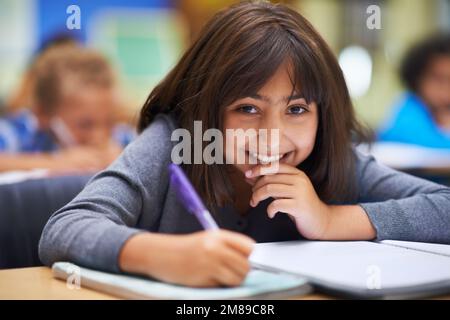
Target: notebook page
[356,264]
[442,249]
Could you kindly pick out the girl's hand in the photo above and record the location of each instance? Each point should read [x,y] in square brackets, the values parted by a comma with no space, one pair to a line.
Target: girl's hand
[294,194]
[81,159]
[201,259]
[77,159]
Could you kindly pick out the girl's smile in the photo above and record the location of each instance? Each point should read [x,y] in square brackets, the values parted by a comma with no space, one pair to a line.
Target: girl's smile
[266,159]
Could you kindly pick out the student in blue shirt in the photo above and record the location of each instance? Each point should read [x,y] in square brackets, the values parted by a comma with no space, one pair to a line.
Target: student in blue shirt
[422,115]
[70,125]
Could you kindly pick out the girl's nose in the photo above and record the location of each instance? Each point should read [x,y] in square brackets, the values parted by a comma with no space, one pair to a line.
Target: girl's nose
[272,121]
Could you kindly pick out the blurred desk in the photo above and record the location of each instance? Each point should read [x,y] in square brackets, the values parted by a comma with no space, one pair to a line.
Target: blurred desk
[429,163]
[19,176]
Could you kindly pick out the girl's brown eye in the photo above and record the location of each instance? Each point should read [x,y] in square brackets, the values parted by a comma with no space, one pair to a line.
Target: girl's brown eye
[296,110]
[247,109]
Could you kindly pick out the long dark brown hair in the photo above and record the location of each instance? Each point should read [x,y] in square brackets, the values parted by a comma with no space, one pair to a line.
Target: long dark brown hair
[235,55]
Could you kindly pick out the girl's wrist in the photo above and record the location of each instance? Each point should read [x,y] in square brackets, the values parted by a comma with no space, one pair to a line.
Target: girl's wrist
[143,252]
[319,223]
[347,222]
[327,214]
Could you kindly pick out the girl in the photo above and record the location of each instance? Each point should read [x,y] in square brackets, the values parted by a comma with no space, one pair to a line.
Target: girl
[255,66]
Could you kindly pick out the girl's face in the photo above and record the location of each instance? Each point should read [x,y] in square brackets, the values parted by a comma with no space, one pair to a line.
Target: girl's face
[275,106]
[89,115]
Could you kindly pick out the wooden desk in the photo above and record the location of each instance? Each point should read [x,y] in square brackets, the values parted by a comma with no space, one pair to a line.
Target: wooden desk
[38,283]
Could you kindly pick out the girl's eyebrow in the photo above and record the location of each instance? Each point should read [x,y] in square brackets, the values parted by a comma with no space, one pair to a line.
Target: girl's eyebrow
[295,96]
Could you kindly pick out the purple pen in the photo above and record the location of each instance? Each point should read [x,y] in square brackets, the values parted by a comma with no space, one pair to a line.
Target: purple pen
[189,197]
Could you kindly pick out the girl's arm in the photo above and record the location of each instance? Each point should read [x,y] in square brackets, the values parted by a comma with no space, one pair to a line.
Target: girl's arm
[92,229]
[69,160]
[10,162]
[401,206]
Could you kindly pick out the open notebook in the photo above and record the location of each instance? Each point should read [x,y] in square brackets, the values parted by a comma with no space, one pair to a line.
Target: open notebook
[362,269]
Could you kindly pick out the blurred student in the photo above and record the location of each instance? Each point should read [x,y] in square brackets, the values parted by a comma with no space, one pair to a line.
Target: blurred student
[422,115]
[71,123]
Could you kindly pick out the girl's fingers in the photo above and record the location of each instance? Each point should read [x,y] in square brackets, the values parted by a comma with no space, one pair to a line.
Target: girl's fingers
[226,276]
[261,170]
[239,242]
[235,261]
[280,205]
[271,190]
[282,178]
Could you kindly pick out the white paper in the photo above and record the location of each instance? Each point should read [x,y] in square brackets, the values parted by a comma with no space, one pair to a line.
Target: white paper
[358,264]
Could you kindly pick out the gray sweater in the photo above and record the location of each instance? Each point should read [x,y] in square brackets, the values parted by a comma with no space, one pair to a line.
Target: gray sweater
[134,194]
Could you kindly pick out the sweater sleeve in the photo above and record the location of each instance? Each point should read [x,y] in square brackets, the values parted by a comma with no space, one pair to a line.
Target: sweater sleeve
[93,227]
[401,206]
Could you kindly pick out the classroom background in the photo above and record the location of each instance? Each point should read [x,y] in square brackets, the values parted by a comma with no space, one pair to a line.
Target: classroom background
[143,39]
